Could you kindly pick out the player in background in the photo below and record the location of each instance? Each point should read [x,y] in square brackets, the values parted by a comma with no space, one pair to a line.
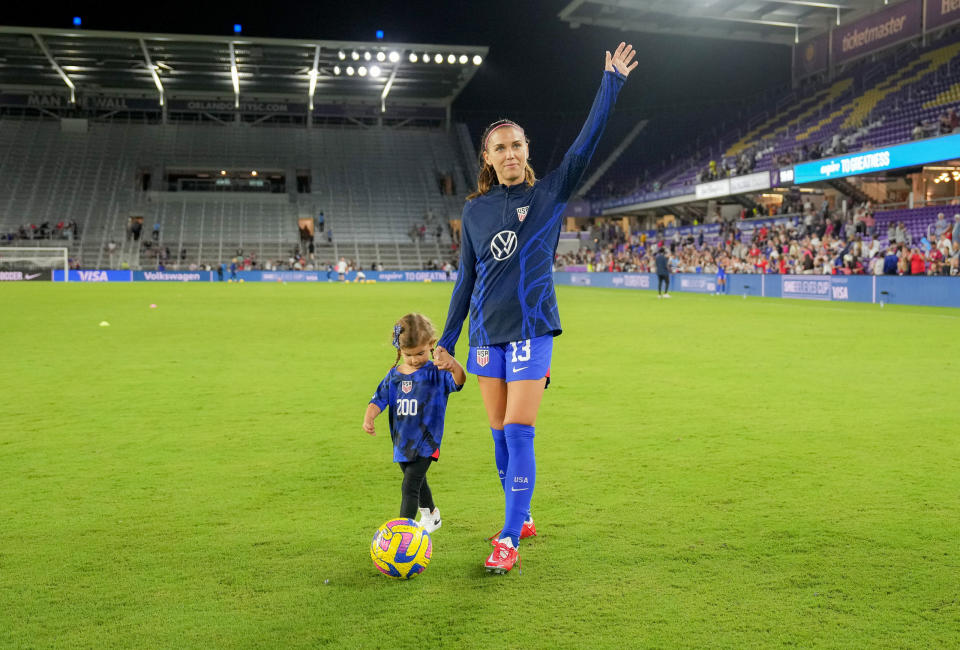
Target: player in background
[721,276]
[415,392]
[511,226]
[663,273]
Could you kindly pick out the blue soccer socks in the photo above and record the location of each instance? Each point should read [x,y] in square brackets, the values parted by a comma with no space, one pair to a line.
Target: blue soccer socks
[520,478]
[500,454]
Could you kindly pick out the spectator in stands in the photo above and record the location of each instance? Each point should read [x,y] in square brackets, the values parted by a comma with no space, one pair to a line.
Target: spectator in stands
[156,232]
[917,263]
[329,235]
[955,234]
[940,226]
[917,132]
[891,261]
[320,221]
[945,127]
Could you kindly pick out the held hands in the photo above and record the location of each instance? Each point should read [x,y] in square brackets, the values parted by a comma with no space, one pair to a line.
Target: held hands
[620,61]
[442,359]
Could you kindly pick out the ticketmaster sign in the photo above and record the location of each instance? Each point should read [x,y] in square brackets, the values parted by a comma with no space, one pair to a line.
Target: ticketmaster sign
[903,155]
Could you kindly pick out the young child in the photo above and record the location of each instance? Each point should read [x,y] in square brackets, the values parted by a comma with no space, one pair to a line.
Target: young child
[416,393]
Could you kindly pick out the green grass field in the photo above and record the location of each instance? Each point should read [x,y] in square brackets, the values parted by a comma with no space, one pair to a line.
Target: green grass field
[712,472]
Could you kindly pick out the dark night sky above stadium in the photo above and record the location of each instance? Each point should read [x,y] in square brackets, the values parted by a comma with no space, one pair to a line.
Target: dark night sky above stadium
[537,64]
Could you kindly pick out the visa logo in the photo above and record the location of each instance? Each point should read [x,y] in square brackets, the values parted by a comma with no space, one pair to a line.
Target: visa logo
[93,276]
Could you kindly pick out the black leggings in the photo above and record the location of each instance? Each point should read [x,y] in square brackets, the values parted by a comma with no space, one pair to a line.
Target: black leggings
[663,281]
[415,491]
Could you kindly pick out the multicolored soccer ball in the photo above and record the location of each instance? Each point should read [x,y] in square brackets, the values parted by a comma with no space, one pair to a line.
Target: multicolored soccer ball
[401,549]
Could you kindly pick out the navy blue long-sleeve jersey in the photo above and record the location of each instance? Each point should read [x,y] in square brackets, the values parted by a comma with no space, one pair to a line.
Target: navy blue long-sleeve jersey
[509,240]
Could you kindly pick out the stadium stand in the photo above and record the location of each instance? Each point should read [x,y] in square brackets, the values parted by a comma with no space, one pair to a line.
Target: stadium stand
[372,183]
[873,104]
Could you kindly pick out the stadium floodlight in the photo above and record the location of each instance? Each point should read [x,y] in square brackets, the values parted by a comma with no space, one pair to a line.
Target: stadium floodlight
[314,72]
[56,66]
[153,69]
[426,57]
[394,57]
[341,55]
[381,56]
[336,70]
[350,70]
[477,59]
[253,173]
[355,55]
[413,57]
[362,71]
[451,59]
[386,89]
[366,56]
[463,59]
[438,58]
[223,172]
[234,76]
[27,259]
[375,71]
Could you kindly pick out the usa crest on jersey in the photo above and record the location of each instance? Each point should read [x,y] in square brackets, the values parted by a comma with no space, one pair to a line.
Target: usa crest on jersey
[406,386]
[522,213]
[483,357]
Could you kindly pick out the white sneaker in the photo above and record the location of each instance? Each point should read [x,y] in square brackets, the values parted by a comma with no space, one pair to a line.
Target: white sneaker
[430,521]
[666,295]
[659,296]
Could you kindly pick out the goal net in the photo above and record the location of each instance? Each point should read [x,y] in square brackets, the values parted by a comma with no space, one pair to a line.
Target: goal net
[36,260]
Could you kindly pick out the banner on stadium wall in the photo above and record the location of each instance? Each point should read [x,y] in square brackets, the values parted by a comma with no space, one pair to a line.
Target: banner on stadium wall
[94,276]
[25,276]
[902,155]
[805,287]
[810,57]
[640,198]
[750,183]
[700,283]
[941,12]
[713,189]
[88,102]
[172,276]
[227,106]
[877,31]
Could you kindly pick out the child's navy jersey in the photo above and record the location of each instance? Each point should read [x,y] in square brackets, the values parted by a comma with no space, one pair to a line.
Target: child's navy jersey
[508,243]
[416,404]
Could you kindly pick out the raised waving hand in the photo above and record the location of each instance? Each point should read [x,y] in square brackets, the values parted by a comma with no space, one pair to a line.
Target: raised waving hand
[620,60]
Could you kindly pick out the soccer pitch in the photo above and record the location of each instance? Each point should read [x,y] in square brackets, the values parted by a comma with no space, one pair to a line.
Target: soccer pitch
[712,472]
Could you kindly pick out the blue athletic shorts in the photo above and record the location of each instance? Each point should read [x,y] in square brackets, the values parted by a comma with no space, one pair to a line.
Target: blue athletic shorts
[527,359]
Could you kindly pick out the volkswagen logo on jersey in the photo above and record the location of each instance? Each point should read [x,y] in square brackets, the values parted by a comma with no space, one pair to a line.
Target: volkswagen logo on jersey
[406,386]
[522,213]
[504,245]
[483,356]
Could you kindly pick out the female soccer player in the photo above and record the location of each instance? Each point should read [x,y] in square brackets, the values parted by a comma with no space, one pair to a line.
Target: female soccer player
[416,393]
[511,225]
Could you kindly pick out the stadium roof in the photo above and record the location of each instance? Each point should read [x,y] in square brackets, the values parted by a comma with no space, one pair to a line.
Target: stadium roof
[132,64]
[781,22]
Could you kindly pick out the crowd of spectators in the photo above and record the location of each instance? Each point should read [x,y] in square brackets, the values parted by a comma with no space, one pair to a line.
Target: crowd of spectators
[818,243]
[65,229]
[945,124]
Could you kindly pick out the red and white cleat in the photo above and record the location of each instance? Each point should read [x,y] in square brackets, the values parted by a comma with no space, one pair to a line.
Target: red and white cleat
[529,530]
[503,557]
